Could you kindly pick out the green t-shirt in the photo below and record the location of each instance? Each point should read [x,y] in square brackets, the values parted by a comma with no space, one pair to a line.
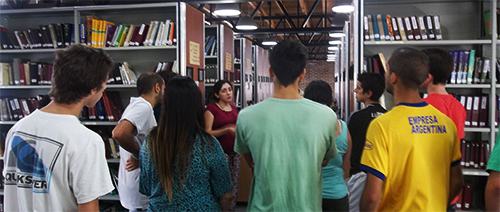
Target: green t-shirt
[494,162]
[288,140]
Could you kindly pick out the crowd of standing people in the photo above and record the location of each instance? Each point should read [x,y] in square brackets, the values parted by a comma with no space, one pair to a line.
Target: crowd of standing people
[177,155]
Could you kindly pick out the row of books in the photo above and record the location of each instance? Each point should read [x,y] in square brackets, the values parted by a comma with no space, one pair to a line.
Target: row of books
[112,147]
[56,35]
[166,66]
[108,108]
[122,74]
[24,72]
[237,97]
[104,33]
[13,109]
[375,64]
[211,45]
[237,56]
[475,155]
[383,27]
[465,197]
[211,75]
[469,69]
[476,110]
[237,75]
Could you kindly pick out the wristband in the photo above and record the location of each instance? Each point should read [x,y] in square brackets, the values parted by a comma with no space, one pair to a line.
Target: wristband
[134,157]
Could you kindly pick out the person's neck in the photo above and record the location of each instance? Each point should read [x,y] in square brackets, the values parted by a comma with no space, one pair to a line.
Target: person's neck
[64,109]
[151,98]
[369,101]
[406,95]
[289,92]
[436,88]
[223,104]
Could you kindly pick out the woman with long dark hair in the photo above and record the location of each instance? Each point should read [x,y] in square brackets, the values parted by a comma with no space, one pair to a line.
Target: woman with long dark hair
[220,121]
[337,170]
[183,167]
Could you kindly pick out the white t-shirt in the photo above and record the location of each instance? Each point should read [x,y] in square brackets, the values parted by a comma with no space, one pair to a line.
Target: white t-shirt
[53,163]
[140,113]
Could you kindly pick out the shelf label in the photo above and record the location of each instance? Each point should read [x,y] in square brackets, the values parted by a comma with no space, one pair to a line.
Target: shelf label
[194,53]
[229,62]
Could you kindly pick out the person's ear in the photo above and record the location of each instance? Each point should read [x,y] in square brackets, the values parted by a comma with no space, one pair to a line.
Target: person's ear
[271,73]
[302,75]
[157,88]
[393,78]
[369,94]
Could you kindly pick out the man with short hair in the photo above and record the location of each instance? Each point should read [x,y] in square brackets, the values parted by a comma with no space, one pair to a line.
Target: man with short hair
[286,138]
[441,65]
[369,89]
[136,122]
[412,155]
[52,162]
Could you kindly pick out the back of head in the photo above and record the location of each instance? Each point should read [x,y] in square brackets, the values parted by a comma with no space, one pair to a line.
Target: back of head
[410,65]
[441,64]
[167,75]
[288,59]
[147,82]
[372,82]
[182,115]
[320,92]
[77,70]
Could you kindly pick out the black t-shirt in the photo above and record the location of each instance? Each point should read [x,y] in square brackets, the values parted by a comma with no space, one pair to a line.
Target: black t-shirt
[358,125]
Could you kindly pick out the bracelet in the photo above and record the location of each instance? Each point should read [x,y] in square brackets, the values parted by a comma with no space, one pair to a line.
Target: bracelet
[134,157]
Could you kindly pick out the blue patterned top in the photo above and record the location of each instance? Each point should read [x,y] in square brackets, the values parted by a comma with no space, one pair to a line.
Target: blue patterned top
[206,182]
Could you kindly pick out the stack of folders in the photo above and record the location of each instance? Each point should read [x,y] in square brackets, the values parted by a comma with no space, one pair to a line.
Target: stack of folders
[101,33]
[476,110]
[383,27]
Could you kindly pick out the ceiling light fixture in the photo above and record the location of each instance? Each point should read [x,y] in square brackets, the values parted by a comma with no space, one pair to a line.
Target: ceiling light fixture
[246,23]
[333,48]
[227,10]
[269,42]
[337,35]
[343,7]
[335,42]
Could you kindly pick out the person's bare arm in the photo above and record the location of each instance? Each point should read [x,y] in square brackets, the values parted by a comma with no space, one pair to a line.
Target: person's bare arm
[122,133]
[456,182]
[370,199]
[89,206]
[492,192]
[249,159]
[209,122]
[225,201]
[346,158]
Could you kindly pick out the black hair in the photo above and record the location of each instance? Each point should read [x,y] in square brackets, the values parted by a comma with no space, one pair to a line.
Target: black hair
[147,82]
[288,60]
[410,65]
[167,76]
[319,91]
[218,86]
[441,64]
[372,82]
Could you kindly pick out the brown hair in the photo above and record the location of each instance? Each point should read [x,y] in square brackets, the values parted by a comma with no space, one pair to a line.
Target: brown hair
[77,70]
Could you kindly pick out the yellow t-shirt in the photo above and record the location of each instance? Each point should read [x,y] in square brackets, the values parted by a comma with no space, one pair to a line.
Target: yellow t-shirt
[411,148]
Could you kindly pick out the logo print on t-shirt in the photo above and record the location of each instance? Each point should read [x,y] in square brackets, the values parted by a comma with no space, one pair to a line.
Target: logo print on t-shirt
[26,168]
[368,145]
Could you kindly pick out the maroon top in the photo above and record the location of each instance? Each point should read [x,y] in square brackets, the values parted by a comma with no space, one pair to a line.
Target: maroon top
[221,119]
